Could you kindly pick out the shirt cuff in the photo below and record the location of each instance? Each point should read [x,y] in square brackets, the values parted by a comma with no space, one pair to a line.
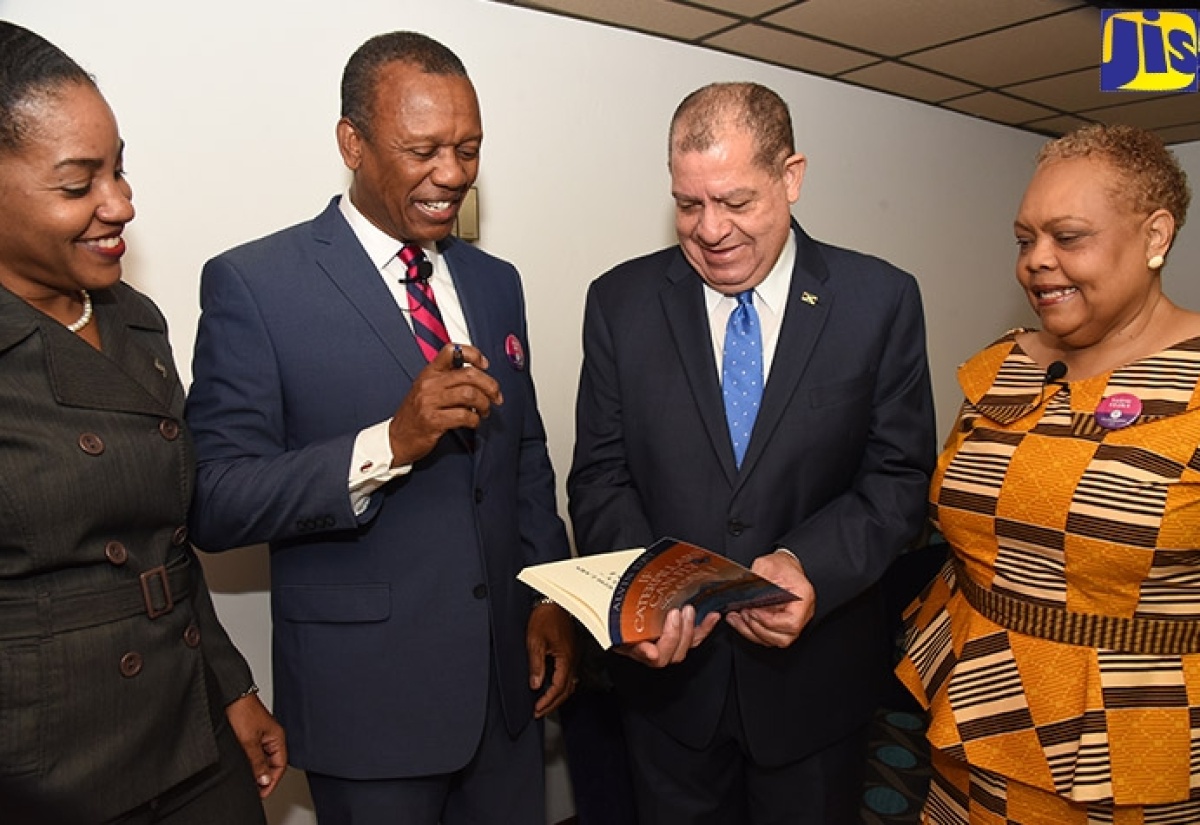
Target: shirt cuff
[371,465]
[780,549]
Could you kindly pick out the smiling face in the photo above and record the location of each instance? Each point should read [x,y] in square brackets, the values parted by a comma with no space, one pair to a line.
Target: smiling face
[64,200]
[732,215]
[1082,252]
[420,154]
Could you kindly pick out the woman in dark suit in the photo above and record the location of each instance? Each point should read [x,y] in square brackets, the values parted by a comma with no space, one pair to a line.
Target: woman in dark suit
[121,697]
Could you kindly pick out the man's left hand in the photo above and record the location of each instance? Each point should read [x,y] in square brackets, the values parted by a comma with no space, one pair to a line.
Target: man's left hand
[778,625]
[551,633]
[262,738]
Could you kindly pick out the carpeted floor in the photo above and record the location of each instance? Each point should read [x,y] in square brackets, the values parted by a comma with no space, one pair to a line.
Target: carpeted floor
[897,769]
[898,758]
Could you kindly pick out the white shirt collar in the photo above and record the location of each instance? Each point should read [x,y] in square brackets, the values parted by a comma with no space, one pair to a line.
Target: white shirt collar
[381,247]
[772,292]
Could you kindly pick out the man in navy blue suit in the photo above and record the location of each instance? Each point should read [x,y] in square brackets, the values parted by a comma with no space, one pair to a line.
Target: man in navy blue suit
[767,396]
[362,401]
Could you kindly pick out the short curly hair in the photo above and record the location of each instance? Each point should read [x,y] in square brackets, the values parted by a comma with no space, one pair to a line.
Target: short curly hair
[1152,176]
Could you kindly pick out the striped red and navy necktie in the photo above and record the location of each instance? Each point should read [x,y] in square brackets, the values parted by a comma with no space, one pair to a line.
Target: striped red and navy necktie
[428,327]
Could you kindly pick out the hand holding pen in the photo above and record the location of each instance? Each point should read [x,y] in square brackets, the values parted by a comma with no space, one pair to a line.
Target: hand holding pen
[444,397]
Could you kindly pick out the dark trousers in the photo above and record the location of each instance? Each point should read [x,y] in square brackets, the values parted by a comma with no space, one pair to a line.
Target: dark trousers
[503,782]
[222,793]
[722,785]
[597,758]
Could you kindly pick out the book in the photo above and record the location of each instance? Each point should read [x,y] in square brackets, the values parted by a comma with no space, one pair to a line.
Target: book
[624,596]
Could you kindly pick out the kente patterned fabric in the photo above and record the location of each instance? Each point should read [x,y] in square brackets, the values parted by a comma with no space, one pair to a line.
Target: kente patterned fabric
[1076,530]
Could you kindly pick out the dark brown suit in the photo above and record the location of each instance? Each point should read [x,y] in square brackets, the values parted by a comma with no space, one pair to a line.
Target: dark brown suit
[102,707]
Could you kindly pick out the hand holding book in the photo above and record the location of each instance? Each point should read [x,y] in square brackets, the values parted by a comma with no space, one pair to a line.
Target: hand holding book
[778,625]
[627,596]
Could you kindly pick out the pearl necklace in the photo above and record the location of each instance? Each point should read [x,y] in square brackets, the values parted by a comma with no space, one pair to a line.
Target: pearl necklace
[86,316]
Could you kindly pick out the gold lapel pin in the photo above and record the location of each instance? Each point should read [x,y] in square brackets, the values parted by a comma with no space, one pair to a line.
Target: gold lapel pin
[809,298]
[162,369]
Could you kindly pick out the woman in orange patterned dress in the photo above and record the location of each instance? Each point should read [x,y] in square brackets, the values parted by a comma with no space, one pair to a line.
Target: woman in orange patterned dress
[1058,651]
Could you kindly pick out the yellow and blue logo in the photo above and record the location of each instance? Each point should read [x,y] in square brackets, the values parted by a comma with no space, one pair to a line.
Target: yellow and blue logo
[1148,50]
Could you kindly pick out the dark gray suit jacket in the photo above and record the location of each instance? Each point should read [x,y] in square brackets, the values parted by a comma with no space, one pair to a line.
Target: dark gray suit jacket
[101,707]
[836,471]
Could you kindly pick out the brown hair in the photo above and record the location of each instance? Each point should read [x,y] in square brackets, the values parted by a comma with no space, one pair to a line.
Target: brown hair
[1151,175]
[704,114]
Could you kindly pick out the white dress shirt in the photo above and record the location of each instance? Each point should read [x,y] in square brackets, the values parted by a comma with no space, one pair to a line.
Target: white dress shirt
[371,461]
[770,299]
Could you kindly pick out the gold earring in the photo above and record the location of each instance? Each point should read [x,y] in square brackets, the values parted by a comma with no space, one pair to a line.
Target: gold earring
[1156,262]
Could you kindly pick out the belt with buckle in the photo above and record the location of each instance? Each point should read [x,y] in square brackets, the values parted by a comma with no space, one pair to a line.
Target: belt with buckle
[155,594]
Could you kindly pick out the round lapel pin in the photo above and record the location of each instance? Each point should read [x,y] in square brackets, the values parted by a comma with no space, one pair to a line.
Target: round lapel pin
[1119,410]
[514,351]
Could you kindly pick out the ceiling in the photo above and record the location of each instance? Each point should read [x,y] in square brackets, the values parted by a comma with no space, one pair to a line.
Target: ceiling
[1032,64]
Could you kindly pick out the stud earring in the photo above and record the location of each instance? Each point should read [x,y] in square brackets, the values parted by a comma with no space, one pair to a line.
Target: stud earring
[1156,262]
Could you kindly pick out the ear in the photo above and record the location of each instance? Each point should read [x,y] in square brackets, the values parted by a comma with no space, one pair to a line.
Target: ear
[793,175]
[1160,233]
[350,144]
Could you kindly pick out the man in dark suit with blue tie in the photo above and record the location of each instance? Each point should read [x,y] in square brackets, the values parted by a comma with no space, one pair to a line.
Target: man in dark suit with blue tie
[767,396]
[401,480]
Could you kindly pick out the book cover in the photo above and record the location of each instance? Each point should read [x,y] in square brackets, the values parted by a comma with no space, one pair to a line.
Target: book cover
[624,596]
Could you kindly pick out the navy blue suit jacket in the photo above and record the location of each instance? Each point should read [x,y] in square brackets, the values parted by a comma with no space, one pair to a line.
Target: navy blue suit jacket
[836,471]
[384,623]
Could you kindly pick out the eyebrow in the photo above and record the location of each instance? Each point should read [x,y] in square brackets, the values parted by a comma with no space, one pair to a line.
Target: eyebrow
[724,197]
[90,163]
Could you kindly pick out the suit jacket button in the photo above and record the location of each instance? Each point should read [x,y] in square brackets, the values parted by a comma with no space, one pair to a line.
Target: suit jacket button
[91,443]
[116,553]
[131,665]
[179,536]
[168,429]
[479,591]
[735,527]
[191,636]
[478,495]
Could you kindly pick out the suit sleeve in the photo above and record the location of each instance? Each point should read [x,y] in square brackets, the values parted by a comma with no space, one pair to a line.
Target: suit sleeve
[848,544]
[250,486]
[606,510]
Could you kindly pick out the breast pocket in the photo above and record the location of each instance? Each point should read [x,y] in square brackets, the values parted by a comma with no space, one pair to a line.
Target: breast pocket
[855,390]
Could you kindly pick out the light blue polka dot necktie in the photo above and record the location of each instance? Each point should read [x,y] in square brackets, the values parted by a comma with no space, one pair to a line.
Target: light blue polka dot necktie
[742,372]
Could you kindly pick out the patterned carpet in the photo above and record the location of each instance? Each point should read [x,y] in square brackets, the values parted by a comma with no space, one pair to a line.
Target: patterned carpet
[897,769]
[898,757]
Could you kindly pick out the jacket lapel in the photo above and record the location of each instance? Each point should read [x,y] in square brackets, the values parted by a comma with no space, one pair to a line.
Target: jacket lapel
[472,297]
[683,304]
[126,326]
[808,305]
[345,262]
[125,377]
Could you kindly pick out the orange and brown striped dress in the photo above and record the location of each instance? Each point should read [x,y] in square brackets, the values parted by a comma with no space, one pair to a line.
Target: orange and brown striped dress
[1058,651]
